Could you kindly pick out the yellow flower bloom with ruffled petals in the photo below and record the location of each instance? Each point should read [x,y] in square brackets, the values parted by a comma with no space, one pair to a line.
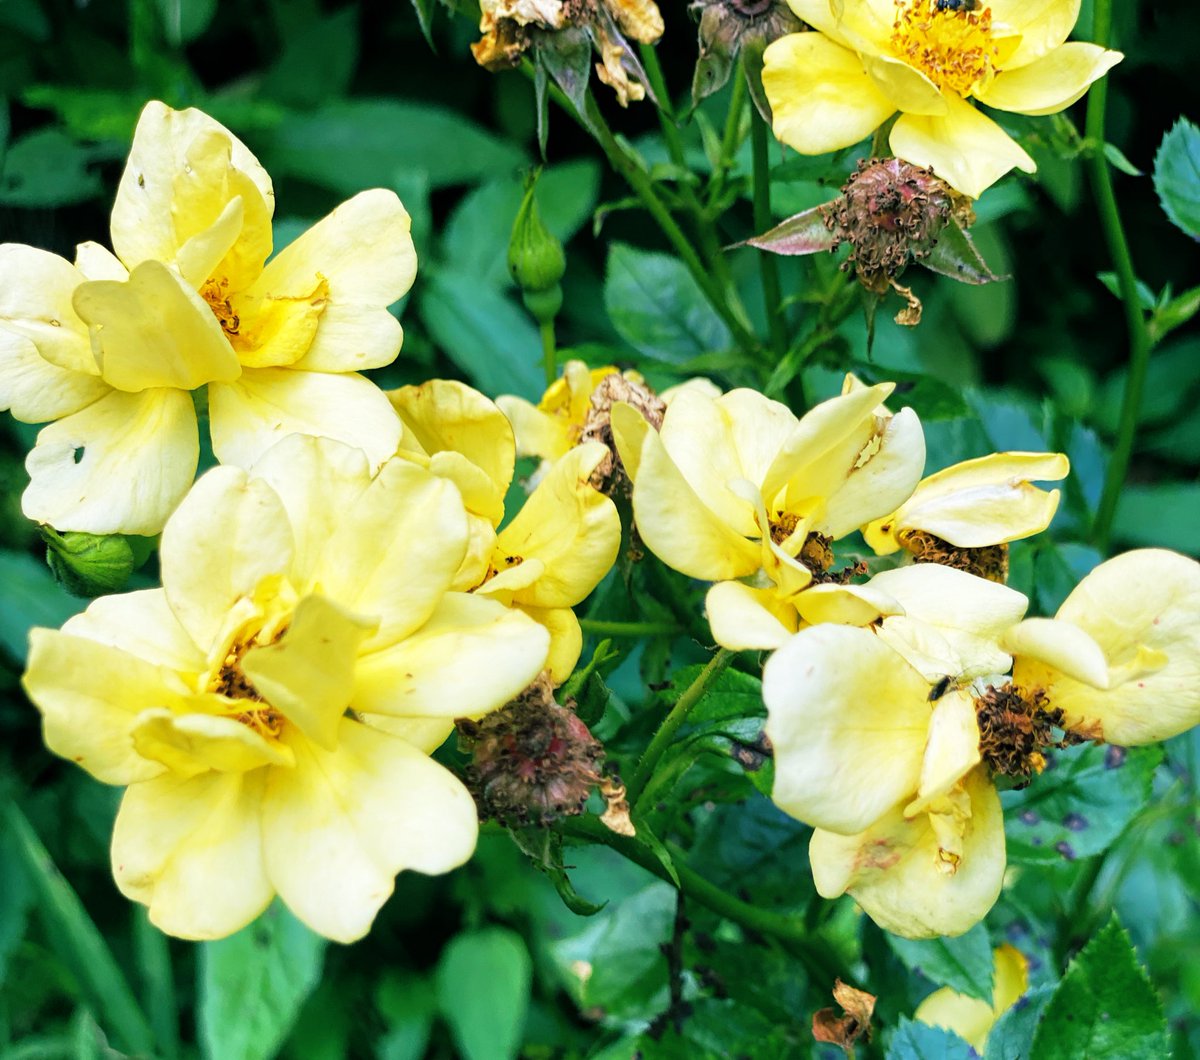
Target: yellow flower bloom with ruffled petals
[736,490]
[927,59]
[110,347]
[555,550]
[1121,658]
[301,602]
[969,1017]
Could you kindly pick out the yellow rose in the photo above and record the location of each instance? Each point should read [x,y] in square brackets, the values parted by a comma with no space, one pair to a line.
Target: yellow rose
[304,610]
[926,59]
[969,1017]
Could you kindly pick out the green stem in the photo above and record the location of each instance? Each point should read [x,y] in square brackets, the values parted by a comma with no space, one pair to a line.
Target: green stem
[154,958]
[640,182]
[78,941]
[813,951]
[730,139]
[767,263]
[549,351]
[677,716]
[604,628]
[1135,320]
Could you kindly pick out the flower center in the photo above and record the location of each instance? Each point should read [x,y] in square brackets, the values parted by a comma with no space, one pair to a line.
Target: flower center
[252,708]
[988,561]
[216,294]
[1015,727]
[949,41]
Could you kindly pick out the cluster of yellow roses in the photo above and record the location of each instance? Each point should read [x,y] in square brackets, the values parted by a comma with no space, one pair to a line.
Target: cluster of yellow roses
[333,596]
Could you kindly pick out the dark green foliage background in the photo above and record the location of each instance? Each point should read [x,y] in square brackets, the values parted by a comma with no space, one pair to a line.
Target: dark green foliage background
[489,962]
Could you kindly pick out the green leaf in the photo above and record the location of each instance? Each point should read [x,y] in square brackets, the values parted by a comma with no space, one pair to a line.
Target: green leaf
[1174,313]
[317,62]
[425,10]
[1011,1036]
[965,963]
[408,1005]
[1104,1006]
[1172,383]
[29,596]
[657,308]
[253,984]
[955,255]
[88,564]
[1177,176]
[1080,804]
[16,899]
[363,143]
[1163,516]
[47,168]
[485,334]
[919,1041]
[1117,159]
[78,941]
[483,982]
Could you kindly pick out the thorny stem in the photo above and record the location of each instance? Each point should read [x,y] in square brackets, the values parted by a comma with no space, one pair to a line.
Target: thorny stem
[549,352]
[640,182]
[1135,321]
[813,951]
[677,716]
[768,266]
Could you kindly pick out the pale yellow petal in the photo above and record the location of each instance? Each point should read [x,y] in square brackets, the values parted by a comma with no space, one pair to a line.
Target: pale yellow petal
[820,95]
[679,528]
[1051,83]
[480,494]
[744,619]
[36,391]
[848,720]
[90,695]
[969,1017]
[267,404]
[473,655]
[393,555]
[951,752]
[97,262]
[909,89]
[849,605]
[444,414]
[191,744]
[1059,646]
[142,624]
[340,826]
[191,850]
[154,331]
[308,674]
[629,429]
[566,639]
[182,171]
[978,502]
[36,288]
[364,253]
[228,535]
[861,25]
[319,481]
[537,433]
[884,473]
[1143,610]
[968,150]
[1042,24]
[425,734]
[570,526]
[118,466]
[895,872]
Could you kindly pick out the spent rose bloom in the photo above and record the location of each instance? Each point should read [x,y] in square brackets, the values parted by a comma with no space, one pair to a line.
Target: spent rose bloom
[271,709]
[110,347]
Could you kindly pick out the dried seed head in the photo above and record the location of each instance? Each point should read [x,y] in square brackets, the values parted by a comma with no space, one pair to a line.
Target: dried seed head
[610,476]
[1015,727]
[533,761]
[990,561]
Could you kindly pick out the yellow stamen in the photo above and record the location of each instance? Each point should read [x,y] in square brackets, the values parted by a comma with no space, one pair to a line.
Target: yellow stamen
[950,44]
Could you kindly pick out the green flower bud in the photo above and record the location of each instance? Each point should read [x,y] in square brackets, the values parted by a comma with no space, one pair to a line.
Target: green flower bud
[89,564]
[544,305]
[535,256]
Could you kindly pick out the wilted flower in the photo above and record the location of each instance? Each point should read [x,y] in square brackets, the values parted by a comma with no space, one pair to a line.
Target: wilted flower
[562,35]
[111,346]
[891,213]
[733,29]
[555,550]
[965,515]
[926,59]
[304,610]
[534,761]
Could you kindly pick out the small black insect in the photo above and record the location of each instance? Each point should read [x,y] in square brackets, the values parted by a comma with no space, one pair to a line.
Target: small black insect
[956,5]
[940,689]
